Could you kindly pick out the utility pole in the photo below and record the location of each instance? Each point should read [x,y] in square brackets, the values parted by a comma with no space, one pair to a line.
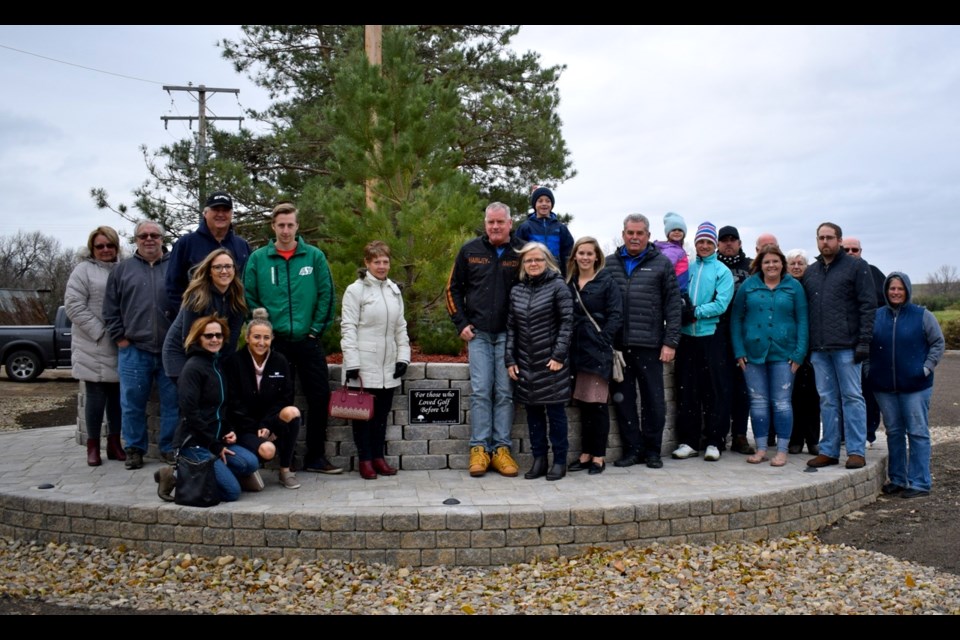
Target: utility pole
[373,45]
[202,117]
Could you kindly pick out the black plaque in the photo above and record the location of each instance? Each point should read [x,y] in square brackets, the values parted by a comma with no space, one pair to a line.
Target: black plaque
[434,406]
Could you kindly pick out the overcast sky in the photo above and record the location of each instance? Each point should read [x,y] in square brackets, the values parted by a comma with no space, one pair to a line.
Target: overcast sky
[767,128]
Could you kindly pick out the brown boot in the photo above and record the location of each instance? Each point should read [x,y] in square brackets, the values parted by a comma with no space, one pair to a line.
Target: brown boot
[114,448]
[93,452]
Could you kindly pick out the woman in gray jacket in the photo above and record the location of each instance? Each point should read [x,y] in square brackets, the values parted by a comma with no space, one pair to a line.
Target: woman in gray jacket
[376,351]
[94,353]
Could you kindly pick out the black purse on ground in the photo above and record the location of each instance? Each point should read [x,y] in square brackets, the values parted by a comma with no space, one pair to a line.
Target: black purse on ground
[196,483]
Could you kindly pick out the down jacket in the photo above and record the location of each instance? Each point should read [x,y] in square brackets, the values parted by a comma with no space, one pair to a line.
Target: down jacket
[841,302]
[94,353]
[590,351]
[651,300]
[539,329]
[373,331]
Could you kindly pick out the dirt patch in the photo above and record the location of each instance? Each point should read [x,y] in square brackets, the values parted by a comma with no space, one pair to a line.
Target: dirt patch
[48,401]
[922,530]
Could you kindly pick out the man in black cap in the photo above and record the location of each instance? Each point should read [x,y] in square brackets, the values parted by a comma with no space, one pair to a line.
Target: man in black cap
[215,231]
[730,253]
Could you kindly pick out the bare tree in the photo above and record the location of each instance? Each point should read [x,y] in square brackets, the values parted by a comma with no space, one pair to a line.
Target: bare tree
[944,281]
[32,260]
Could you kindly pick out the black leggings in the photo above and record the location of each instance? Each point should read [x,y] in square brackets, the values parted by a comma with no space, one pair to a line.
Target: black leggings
[286,441]
[370,435]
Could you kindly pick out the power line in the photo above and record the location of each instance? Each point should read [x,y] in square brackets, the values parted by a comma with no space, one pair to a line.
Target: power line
[73,64]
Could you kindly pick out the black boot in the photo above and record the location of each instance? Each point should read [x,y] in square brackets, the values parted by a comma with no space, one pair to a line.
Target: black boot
[538,469]
[557,471]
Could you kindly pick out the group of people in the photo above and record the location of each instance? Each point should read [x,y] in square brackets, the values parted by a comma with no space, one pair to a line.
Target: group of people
[173,321]
[786,342]
[545,319]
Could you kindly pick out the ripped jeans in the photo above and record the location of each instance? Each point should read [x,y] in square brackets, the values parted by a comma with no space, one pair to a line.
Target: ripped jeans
[770,383]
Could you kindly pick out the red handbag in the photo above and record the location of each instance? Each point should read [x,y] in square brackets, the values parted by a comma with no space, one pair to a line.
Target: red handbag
[351,404]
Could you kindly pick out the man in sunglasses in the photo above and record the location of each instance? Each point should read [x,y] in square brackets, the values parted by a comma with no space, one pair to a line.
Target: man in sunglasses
[137,314]
[853,249]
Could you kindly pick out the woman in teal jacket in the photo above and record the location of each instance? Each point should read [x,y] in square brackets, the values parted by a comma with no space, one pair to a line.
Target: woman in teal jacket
[702,393]
[769,329]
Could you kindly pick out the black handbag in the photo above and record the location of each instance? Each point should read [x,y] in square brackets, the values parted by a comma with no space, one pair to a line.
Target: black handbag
[196,483]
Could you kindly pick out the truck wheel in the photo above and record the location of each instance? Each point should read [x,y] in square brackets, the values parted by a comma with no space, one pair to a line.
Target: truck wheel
[23,366]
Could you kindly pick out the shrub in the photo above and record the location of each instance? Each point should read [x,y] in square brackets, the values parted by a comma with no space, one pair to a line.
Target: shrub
[951,333]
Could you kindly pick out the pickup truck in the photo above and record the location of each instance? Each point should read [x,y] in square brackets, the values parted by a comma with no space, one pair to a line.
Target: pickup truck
[26,350]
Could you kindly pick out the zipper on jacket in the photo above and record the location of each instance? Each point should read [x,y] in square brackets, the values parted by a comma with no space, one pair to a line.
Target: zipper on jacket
[290,300]
[223,395]
[893,349]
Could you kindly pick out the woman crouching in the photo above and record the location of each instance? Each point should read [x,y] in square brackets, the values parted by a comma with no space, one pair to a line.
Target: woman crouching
[202,435]
[261,408]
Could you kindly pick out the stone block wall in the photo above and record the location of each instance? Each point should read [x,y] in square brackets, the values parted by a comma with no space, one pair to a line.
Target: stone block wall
[430,446]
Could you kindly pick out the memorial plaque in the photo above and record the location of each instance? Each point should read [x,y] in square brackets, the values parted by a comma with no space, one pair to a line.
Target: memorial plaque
[434,406]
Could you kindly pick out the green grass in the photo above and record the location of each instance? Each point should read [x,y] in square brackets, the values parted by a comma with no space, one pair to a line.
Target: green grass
[946,315]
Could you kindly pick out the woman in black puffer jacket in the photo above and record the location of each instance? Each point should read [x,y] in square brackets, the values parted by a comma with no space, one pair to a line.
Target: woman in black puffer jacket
[539,328]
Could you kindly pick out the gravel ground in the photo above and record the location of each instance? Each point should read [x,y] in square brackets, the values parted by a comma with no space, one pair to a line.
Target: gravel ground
[787,576]
[795,575]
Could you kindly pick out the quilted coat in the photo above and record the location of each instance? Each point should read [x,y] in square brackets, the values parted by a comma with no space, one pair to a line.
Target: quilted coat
[539,328]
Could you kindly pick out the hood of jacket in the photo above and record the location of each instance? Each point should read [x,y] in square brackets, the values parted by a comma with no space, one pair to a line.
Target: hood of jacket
[906,285]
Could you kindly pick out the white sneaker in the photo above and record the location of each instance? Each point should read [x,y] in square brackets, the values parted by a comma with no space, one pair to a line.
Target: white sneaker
[684,451]
[712,454]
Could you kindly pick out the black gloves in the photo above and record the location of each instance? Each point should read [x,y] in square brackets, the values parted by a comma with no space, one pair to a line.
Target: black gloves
[400,369]
[687,310]
[353,374]
[862,352]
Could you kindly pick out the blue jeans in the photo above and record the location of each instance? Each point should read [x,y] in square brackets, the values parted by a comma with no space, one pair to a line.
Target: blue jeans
[905,417]
[491,399]
[838,383]
[241,464]
[537,417]
[138,369]
[770,382]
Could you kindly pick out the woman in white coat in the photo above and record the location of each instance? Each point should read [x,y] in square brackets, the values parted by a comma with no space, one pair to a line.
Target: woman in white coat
[94,353]
[376,351]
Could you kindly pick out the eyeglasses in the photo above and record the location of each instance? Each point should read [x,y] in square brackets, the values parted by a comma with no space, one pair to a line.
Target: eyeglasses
[213,336]
[221,267]
[534,260]
[102,246]
[852,249]
[149,236]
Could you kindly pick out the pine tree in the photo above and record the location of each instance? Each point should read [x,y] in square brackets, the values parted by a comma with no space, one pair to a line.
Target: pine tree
[398,131]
